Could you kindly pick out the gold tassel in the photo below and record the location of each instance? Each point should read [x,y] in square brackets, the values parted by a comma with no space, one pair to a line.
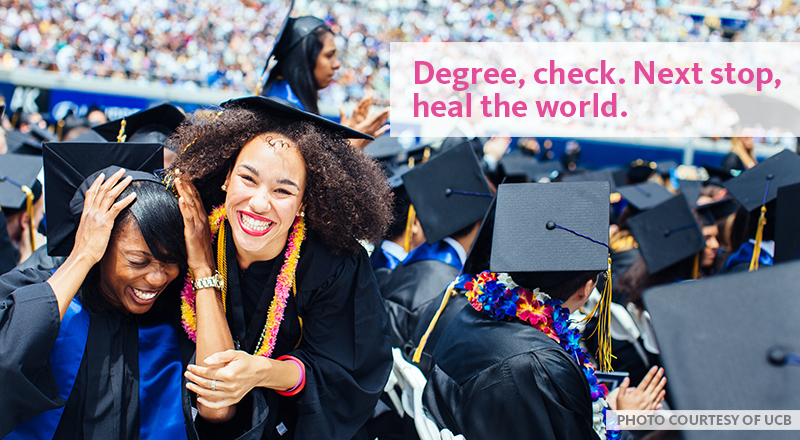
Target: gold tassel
[759,236]
[426,154]
[122,136]
[222,262]
[696,267]
[29,197]
[451,291]
[603,307]
[412,216]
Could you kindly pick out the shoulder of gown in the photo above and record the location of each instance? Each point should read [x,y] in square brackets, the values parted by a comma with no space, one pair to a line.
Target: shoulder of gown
[489,371]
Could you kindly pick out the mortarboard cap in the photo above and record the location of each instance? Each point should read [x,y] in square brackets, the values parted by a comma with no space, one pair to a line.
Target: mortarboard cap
[718,176]
[667,234]
[713,212]
[387,147]
[751,189]
[787,224]
[293,32]
[639,171]
[517,167]
[21,143]
[723,344]
[665,166]
[644,196]
[281,109]
[17,170]
[284,9]
[545,233]
[691,189]
[604,175]
[152,125]
[449,192]
[68,164]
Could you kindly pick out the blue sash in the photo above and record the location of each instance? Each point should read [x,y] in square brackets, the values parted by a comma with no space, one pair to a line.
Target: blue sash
[439,251]
[745,254]
[281,89]
[160,378]
[382,259]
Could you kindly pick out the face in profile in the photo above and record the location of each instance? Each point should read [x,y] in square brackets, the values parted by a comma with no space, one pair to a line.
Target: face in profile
[265,191]
[712,245]
[131,279]
[327,62]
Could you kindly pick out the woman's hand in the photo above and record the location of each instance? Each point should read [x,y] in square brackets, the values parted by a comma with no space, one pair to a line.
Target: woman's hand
[231,374]
[195,228]
[91,239]
[99,213]
[647,396]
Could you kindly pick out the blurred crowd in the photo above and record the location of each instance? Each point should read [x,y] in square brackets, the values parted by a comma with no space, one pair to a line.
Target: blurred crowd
[223,44]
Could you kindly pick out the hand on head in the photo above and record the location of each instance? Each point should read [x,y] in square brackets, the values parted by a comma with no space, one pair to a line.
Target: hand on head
[99,212]
[196,229]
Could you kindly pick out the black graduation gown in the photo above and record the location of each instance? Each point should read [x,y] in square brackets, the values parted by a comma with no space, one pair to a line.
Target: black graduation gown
[344,344]
[426,313]
[505,379]
[104,402]
[408,289]
[9,255]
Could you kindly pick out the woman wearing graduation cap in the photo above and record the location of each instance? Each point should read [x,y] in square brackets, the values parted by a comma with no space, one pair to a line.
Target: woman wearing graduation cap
[307,62]
[94,351]
[285,309]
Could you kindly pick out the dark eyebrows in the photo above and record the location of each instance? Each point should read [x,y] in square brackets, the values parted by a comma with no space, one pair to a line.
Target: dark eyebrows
[135,251]
[288,182]
[249,168]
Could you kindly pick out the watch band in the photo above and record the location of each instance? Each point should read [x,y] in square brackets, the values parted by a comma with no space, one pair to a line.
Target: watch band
[215,281]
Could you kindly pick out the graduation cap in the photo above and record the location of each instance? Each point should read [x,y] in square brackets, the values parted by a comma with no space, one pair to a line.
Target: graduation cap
[640,170]
[667,234]
[787,224]
[20,187]
[550,231]
[449,192]
[664,167]
[480,253]
[153,125]
[644,196]
[68,164]
[276,46]
[281,109]
[69,123]
[691,189]
[21,143]
[713,212]
[759,185]
[394,150]
[604,175]
[730,343]
[718,176]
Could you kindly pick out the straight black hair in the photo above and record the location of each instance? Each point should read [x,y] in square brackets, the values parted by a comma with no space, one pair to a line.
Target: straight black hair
[298,69]
[156,213]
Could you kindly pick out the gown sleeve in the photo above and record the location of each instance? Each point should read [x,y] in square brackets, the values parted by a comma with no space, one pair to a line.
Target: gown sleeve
[346,350]
[29,325]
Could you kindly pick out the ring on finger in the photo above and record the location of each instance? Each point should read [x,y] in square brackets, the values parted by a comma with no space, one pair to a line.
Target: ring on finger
[214,385]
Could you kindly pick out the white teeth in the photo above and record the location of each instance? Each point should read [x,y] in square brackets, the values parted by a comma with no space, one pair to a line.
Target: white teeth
[256,225]
[144,296]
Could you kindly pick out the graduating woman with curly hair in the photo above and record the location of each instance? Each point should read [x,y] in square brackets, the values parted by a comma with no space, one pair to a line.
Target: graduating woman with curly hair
[290,329]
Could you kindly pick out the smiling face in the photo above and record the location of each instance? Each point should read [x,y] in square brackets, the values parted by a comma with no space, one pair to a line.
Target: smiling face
[130,277]
[712,245]
[265,194]
[327,63]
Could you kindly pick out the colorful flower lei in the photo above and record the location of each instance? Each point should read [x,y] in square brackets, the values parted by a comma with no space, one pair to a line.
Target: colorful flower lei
[496,295]
[285,281]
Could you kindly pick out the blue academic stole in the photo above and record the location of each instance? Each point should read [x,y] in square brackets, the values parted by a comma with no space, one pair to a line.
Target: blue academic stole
[281,89]
[160,373]
[439,251]
[745,254]
[383,259]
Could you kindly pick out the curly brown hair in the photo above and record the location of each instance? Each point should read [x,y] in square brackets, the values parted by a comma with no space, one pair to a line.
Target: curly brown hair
[347,196]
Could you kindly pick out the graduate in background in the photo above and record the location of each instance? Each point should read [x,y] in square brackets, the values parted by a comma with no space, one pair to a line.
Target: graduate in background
[94,350]
[511,351]
[450,195]
[22,202]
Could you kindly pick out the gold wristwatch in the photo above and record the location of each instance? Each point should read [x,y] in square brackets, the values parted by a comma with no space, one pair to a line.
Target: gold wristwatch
[215,280]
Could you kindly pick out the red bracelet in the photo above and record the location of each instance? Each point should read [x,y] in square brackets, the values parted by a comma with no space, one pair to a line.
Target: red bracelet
[301,381]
